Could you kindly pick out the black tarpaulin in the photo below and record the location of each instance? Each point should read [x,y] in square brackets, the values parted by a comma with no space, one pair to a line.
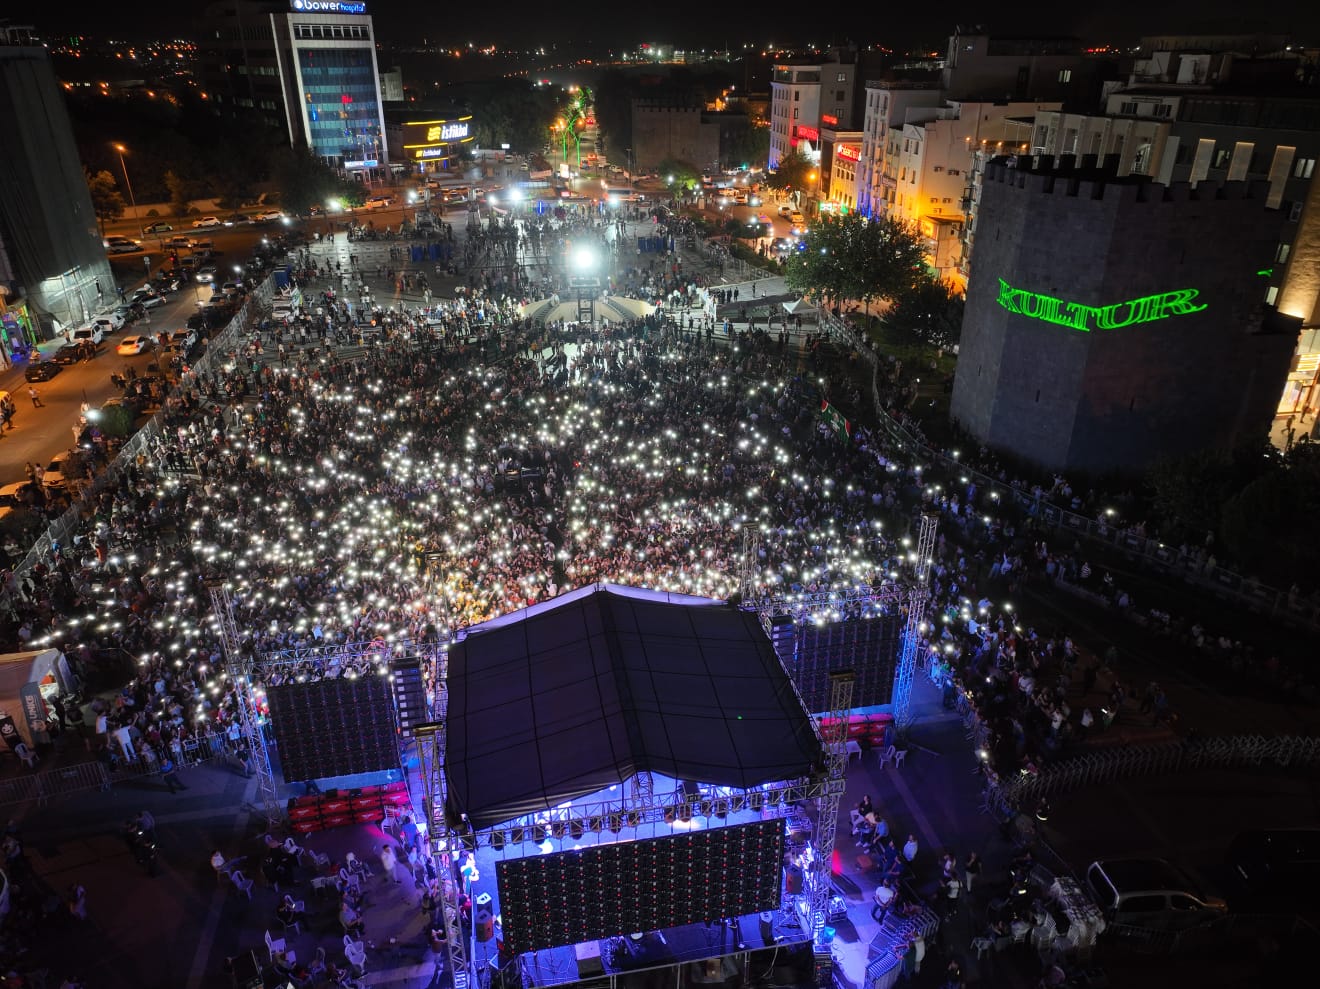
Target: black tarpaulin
[583,692]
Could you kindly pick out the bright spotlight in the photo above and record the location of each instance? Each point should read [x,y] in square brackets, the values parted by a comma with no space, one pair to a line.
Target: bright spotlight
[584,260]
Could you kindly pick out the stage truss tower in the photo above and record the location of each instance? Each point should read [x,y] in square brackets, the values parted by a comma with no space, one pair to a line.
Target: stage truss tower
[238,668]
[914,628]
[444,843]
[834,735]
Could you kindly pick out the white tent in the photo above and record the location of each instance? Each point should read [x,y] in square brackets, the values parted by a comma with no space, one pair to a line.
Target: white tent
[794,306]
[23,710]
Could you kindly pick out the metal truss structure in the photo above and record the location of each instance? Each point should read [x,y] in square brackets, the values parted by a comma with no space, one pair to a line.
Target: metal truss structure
[444,843]
[914,628]
[834,604]
[819,883]
[238,667]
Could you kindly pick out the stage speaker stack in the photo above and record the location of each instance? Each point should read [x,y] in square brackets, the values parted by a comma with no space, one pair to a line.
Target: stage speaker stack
[484,925]
[409,695]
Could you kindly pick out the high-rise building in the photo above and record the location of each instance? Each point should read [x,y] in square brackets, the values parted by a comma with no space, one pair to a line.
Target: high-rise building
[1114,322]
[307,65]
[53,268]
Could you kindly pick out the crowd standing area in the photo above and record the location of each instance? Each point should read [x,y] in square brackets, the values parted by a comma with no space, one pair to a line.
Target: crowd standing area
[394,469]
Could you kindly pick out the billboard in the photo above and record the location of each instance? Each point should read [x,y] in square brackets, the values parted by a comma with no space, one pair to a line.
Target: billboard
[430,140]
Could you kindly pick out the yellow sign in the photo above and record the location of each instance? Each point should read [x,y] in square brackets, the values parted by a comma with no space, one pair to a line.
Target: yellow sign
[433,135]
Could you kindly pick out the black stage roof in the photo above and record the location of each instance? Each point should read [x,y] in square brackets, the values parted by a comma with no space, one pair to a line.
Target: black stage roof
[582,692]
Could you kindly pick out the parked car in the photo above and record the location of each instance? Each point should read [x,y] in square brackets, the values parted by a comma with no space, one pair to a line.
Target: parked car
[89,334]
[148,298]
[266,216]
[68,354]
[207,221]
[43,371]
[131,346]
[180,242]
[111,322]
[54,476]
[1151,894]
[184,340]
[796,218]
[785,210]
[129,311]
[157,228]
[17,495]
[378,202]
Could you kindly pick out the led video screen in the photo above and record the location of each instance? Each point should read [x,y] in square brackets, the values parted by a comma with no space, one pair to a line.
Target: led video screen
[638,886]
[334,727]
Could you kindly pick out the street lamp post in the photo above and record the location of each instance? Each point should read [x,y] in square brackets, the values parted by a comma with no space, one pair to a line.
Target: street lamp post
[132,202]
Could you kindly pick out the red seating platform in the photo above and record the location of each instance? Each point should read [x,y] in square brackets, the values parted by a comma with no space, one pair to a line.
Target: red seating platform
[338,808]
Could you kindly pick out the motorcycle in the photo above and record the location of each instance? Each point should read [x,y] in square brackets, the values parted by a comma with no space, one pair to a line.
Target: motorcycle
[142,844]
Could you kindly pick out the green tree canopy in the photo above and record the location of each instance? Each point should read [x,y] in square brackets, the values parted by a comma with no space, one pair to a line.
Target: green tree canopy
[107,203]
[853,257]
[1189,494]
[679,174]
[750,145]
[303,180]
[514,112]
[1271,526]
[181,191]
[793,174]
[930,311]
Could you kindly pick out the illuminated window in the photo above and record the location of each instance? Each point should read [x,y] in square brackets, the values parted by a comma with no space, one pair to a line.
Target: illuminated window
[1303,168]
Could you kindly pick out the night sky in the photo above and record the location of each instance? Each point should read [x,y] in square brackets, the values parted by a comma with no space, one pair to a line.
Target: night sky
[693,23]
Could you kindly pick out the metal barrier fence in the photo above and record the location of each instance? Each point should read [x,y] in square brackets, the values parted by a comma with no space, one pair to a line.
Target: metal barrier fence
[1246,591]
[60,781]
[1108,765]
[144,441]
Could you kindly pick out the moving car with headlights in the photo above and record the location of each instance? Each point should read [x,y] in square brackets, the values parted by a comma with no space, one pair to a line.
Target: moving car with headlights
[206,273]
[378,202]
[157,228]
[121,245]
[131,346]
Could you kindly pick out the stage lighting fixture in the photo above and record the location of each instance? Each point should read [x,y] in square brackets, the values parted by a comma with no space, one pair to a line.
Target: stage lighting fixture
[721,809]
[539,833]
[685,812]
[739,802]
[634,818]
[595,824]
[516,836]
[576,829]
[705,808]
[671,814]
[497,840]
[616,823]
[757,800]
[557,829]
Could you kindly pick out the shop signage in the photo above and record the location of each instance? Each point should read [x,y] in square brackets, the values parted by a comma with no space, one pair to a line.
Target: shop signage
[453,132]
[848,153]
[328,6]
[807,133]
[1077,316]
[829,119]
[429,154]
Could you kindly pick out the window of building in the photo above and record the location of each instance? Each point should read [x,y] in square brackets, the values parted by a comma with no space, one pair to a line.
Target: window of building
[954,171]
[795,113]
[934,199]
[1281,254]
[1222,157]
[1163,110]
[1303,167]
[1294,212]
[840,95]
[796,96]
[1271,295]
[1128,108]
[1065,75]
[946,199]
[843,77]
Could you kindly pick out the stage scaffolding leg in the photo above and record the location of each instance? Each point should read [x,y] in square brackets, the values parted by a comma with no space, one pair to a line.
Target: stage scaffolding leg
[914,628]
[820,882]
[238,667]
[431,750]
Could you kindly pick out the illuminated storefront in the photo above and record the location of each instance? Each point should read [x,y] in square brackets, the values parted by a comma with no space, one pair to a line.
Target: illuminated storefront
[430,145]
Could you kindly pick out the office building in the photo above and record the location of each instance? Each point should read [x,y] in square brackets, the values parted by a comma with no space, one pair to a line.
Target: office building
[1144,340]
[886,106]
[53,268]
[307,65]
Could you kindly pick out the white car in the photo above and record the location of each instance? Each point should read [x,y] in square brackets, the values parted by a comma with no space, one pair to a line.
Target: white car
[207,221]
[54,476]
[378,202]
[129,346]
[122,245]
[267,215]
[111,322]
[88,334]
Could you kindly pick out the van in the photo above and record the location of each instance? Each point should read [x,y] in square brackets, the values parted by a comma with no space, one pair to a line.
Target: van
[1151,894]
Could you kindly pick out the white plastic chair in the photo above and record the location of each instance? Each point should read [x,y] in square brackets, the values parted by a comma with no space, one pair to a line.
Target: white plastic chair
[319,859]
[887,755]
[242,884]
[299,912]
[899,756]
[357,867]
[355,953]
[294,849]
[273,945]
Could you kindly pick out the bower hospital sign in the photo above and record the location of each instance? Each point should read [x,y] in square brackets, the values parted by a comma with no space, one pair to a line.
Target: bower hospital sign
[1075,315]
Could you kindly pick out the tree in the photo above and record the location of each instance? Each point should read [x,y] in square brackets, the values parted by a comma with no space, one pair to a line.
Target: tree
[679,174]
[303,180]
[793,174]
[107,203]
[931,311]
[513,112]
[750,145]
[1188,494]
[853,257]
[181,192]
[1271,526]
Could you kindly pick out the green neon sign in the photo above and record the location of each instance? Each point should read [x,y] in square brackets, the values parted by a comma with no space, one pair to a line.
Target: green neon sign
[1077,316]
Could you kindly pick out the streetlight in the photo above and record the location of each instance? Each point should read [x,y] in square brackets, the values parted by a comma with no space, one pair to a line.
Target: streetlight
[133,202]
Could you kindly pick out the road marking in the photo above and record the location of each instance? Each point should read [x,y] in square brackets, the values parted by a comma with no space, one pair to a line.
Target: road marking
[206,939]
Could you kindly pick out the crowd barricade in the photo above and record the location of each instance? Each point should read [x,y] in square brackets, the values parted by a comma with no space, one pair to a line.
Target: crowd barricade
[61,531]
[1108,765]
[1246,591]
